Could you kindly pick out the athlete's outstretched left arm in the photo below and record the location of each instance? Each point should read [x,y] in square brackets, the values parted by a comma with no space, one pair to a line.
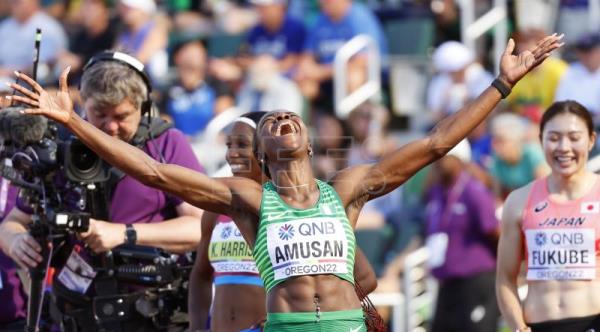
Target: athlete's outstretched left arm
[362,183]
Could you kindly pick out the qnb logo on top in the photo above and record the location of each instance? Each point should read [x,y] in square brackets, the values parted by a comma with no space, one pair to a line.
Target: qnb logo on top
[286,232]
[559,239]
[541,239]
[226,232]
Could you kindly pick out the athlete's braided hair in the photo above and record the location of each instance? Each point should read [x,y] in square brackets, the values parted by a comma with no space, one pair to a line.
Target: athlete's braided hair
[373,320]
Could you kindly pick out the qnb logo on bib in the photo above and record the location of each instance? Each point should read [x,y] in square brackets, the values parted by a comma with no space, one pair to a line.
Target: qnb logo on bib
[307,246]
[286,232]
[561,254]
[226,232]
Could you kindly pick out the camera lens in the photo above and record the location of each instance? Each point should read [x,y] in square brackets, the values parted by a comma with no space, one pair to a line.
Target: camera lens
[83,165]
[83,158]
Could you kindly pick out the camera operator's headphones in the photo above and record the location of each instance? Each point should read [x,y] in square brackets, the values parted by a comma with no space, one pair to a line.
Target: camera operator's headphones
[131,62]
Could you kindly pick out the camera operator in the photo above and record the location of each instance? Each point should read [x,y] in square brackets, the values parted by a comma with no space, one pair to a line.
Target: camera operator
[12,294]
[116,95]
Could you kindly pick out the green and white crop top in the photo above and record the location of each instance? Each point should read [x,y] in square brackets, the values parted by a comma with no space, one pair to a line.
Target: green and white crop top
[295,242]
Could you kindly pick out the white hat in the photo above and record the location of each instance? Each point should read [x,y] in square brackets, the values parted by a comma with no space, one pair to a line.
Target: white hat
[462,151]
[148,6]
[452,56]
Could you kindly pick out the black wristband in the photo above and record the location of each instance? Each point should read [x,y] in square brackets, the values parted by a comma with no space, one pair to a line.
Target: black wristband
[130,235]
[501,87]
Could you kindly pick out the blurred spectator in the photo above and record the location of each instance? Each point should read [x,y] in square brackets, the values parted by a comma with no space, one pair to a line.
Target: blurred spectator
[535,92]
[446,13]
[266,89]
[18,36]
[189,16]
[370,142]
[330,146]
[306,11]
[97,33]
[575,19]
[205,17]
[581,82]
[276,34]
[460,79]
[195,98]
[462,234]
[145,36]
[4,9]
[340,21]
[481,145]
[515,162]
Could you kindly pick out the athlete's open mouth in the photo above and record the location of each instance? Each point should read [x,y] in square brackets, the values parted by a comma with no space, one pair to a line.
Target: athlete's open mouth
[286,128]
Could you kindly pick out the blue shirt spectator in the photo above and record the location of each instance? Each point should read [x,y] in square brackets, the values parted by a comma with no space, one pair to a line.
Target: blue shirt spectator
[195,98]
[288,39]
[328,35]
[191,110]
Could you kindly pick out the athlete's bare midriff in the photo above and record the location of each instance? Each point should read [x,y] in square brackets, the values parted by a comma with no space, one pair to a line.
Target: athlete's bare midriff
[553,300]
[303,294]
[237,307]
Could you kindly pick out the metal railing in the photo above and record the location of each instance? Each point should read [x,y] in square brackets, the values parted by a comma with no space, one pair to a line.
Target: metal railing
[344,100]
[395,300]
[471,29]
[419,290]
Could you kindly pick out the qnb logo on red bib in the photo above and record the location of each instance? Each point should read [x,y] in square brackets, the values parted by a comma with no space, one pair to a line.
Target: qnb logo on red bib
[590,207]
[561,254]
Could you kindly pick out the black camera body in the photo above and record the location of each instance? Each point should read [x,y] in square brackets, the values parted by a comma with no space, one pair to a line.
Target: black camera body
[165,278]
[65,183]
[51,171]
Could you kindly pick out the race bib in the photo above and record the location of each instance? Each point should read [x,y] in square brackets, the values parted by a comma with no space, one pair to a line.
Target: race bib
[306,247]
[437,245]
[561,254]
[228,251]
[77,275]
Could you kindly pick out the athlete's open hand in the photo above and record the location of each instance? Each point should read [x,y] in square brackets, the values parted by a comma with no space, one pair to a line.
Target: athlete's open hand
[56,106]
[514,67]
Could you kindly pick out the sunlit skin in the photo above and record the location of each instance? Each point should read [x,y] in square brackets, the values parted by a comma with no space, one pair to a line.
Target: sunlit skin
[566,142]
[284,147]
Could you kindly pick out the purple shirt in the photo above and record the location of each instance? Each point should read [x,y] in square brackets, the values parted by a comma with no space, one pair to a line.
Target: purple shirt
[133,202]
[13,301]
[466,213]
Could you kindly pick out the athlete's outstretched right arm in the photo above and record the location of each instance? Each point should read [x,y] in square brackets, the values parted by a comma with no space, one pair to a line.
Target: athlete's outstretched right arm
[510,256]
[193,187]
